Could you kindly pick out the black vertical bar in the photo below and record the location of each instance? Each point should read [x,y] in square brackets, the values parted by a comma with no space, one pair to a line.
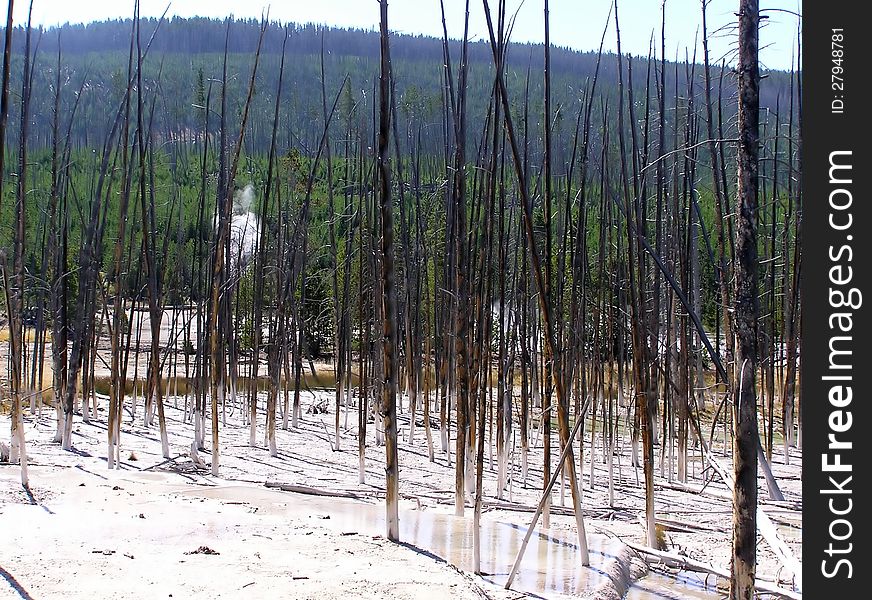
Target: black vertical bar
[836,247]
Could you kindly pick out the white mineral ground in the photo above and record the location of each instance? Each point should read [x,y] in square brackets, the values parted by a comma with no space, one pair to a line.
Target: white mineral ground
[88,532]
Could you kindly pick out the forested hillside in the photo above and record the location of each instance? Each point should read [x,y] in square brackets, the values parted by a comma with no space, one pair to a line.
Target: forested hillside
[186,54]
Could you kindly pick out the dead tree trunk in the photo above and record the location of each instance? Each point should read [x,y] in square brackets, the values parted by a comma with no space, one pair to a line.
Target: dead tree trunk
[568,462]
[218,267]
[389,388]
[15,296]
[743,562]
[116,393]
[273,356]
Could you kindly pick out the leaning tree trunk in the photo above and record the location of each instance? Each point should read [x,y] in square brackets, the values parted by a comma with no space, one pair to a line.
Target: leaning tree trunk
[745,454]
[568,460]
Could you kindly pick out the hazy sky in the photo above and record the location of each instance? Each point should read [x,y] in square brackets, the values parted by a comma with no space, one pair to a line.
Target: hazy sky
[574,23]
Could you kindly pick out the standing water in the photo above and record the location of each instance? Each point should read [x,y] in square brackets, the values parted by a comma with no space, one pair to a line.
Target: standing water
[550,568]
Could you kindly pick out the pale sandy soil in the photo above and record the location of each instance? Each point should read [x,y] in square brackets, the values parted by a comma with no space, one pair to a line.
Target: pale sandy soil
[88,532]
[96,533]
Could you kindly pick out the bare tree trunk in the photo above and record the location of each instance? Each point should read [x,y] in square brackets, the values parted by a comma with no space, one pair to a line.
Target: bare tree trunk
[4,86]
[792,306]
[363,327]
[15,296]
[641,362]
[722,272]
[155,313]
[118,384]
[338,359]
[389,389]
[546,217]
[462,388]
[218,269]
[568,462]
[215,329]
[744,560]
[273,354]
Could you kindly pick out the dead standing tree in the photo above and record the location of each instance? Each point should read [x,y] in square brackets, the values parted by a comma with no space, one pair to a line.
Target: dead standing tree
[567,460]
[743,563]
[389,299]
[149,247]
[15,296]
[273,353]
[641,362]
[546,217]
[214,331]
[219,275]
[458,259]
[116,390]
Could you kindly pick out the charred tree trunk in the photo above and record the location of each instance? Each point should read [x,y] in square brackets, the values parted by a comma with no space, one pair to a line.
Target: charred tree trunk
[568,460]
[118,384]
[15,295]
[744,560]
[389,387]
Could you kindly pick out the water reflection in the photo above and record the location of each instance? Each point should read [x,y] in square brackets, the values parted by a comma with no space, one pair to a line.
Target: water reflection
[550,563]
[550,568]
[680,587]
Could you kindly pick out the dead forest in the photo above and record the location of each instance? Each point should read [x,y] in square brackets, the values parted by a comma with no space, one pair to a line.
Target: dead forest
[571,311]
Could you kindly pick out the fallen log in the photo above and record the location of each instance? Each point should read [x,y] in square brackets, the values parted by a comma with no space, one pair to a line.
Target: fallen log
[684,562]
[686,527]
[591,512]
[311,491]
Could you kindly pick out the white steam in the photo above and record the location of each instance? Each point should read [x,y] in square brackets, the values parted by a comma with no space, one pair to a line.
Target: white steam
[242,200]
[244,227]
